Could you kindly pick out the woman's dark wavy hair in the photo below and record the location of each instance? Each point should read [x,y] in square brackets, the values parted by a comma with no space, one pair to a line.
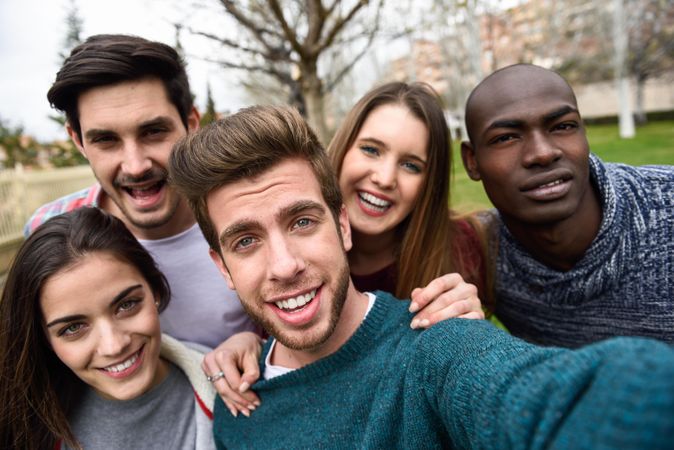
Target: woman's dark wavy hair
[36,388]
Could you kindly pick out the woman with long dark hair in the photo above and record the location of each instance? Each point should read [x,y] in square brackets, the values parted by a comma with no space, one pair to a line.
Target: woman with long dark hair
[83,363]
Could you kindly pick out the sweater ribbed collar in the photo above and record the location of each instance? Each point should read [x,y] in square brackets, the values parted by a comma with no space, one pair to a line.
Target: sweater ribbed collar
[355,348]
[601,266]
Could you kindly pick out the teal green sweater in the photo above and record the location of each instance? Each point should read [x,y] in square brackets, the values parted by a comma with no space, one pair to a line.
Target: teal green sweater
[461,384]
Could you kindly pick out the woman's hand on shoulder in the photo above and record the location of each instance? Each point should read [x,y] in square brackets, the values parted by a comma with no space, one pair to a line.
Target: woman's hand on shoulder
[446,297]
[233,368]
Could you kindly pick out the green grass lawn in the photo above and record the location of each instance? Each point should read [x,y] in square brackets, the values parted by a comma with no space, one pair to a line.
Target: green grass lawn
[653,144]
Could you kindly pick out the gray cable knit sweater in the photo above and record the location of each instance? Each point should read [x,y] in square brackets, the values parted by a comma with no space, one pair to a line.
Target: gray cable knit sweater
[623,285]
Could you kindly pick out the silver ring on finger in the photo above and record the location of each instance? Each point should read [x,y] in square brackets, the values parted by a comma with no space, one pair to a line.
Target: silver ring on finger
[216,377]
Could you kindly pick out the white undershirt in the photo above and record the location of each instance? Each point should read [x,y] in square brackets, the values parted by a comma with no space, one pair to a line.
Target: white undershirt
[271,370]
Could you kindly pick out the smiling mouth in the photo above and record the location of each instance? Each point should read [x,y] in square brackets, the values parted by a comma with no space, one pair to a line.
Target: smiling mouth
[116,368]
[145,192]
[372,202]
[552,183]
[298,303]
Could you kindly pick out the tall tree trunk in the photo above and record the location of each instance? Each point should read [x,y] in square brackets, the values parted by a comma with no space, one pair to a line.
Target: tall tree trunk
[625,117]
[312,90]
[639,111]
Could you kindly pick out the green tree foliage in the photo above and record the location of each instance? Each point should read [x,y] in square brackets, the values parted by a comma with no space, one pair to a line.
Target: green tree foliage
[16,147]
[210,114]
[74,24]
[64,153]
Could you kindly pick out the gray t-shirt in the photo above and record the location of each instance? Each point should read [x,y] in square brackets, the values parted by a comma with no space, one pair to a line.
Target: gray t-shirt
[162,418]
[202,308]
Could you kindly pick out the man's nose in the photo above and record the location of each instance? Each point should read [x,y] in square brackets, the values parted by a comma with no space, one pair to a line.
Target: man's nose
[286,260]
[540,150]
[136,161]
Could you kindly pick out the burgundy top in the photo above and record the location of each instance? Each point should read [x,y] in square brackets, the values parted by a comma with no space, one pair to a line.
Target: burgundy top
[466,243]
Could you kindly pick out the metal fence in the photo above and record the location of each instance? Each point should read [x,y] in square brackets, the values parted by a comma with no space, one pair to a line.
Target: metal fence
[23,191]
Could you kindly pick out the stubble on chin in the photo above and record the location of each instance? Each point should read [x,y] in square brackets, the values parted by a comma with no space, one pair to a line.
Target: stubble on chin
[305,341]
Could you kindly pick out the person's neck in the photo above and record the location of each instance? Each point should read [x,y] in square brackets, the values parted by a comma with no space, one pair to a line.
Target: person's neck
[371,253]
[182,219]
[352,316]
[562,244]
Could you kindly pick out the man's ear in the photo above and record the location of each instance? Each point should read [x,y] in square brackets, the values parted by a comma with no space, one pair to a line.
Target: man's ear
[469,163]
[345,228]
[76,139]
[217,259]
[193,119]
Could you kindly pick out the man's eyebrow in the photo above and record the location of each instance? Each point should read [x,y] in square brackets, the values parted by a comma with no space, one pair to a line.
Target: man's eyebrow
[236,228]
[246,225]
[505,123]
[155,121]
[515,123]
[159,120]
[94,132]
[117,298]
[554,115]
[300,207]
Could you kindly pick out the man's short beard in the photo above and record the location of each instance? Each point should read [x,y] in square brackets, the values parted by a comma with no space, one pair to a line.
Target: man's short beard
[149,224]
[278,333]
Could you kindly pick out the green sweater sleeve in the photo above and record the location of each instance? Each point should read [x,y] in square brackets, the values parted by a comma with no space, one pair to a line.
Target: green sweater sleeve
[495,391]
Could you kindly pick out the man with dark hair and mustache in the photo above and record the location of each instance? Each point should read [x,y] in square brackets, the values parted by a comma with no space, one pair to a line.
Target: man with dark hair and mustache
[127,100]
[584,250]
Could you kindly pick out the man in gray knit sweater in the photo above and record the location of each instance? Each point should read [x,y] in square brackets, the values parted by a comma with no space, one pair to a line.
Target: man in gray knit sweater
[583,250]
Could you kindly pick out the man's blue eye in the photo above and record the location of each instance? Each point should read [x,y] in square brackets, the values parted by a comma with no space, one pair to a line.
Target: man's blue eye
[244,242]
[304,222]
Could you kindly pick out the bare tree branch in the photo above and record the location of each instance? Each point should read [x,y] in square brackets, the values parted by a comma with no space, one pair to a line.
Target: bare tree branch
[338,26]
[287,31]
[257,31]
[330,85]
[269,70]
[227,42]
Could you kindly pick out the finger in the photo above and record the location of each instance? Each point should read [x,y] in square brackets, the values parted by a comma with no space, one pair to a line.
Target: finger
[459,301]
[473,315]
[232,410]
[251,373]
[425,318]
[211,366]
[415,305]
[231,396]
[457,309]
[421,297]
[232,380]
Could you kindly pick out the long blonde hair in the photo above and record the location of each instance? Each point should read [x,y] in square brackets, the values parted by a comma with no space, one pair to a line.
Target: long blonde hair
[427,248]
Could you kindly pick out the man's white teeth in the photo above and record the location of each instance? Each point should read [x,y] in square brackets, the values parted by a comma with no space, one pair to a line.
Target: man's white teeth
[374,201]
[125,365]
[553,183]
[145,191]
[296,302]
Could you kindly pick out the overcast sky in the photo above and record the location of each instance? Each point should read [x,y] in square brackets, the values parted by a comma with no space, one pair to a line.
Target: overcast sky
[31,37]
